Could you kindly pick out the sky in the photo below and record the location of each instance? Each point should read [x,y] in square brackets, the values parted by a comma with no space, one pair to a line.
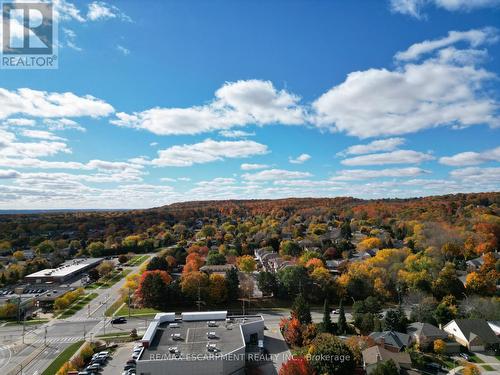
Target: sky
[155,102]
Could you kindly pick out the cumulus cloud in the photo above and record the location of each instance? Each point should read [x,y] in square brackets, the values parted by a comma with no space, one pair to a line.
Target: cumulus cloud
[471,158]
[388,144]
[50,104]
[253,166]
[62,124]
[415,8]
[274,174]
[207,151]
[363,174]
[414,97]
[301,159]
[235,104]
[394,157]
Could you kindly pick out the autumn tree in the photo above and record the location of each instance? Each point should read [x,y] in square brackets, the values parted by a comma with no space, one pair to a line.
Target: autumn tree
[246,263]
[152,289]
[290,248]
[45,247]
[105,268]
[217,289]
[439,346]
[296,366]
[194,284]
[95,249]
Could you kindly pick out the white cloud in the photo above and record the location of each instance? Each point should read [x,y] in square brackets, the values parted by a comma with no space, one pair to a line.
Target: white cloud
[71,39]
[253,166]
[474,37]
[123,50]
[394,157]
[414,8]
[301,159]
[19,122]
[379,102]
[274,174]
[63,124]
[471,158]
[207,151]
[388,144]
[235,104]
[41,134]
[99,10]
[45,104]
[363,174]
[8,174]
[235,134]
[478,175]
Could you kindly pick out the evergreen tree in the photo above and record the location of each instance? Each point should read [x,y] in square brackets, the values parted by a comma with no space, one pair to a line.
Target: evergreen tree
[327,325]
[301,310]
[342,323]
[395,320]
[233,284]
[345,230]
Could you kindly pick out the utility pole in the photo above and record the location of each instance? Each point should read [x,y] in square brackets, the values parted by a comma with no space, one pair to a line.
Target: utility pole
[88,310]
[129,293]
[199,299]
[24,326]
[45,337]
[84,331]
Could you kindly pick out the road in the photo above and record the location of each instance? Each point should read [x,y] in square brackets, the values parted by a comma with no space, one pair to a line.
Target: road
[46,341]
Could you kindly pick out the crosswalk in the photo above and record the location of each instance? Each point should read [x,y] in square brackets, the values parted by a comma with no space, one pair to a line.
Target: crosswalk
[58,340]
[81,319]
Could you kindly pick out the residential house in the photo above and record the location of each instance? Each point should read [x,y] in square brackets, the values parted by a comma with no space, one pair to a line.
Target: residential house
[376,354]
[424,334]
[476,263]
[217,269]
[475,334]
[391,340]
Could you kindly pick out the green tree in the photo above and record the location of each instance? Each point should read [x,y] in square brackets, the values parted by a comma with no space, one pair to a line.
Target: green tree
[342,322]
[385,368]
[157,263]
[345,230]
[233,284]
[329,355]
[395,320]
[267,282]
[215,258]
[45,247]
[326,325]
[294,279]
[291,248]
[301,310]
[96,249]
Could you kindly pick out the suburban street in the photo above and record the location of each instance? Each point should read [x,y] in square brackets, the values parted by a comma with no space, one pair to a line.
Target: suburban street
[42,343]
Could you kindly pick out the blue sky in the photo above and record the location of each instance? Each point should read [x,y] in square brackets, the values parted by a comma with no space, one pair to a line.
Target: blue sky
[162,101]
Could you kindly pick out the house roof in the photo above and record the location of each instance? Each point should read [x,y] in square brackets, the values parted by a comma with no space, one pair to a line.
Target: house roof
[426,330]
[377,354]
[391,338]
[472,328]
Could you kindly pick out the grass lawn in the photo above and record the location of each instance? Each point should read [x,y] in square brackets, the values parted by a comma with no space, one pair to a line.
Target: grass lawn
[474,358]
[488,367]
[143,311]
[62,358]
[108,281]
[119,334]
[111,309]
[136,260]
[78,305]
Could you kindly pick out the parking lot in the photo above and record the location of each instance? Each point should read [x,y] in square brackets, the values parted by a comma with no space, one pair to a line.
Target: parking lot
[118,360]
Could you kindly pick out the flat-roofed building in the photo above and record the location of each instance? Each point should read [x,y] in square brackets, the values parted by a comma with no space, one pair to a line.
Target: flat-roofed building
[199,343]
[64,272]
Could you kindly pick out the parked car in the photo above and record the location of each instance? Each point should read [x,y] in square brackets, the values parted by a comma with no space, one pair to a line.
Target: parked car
[95,367]
[119,320]
[465,356]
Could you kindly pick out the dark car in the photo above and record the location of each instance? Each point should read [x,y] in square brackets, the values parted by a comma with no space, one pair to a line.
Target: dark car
[119,320]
